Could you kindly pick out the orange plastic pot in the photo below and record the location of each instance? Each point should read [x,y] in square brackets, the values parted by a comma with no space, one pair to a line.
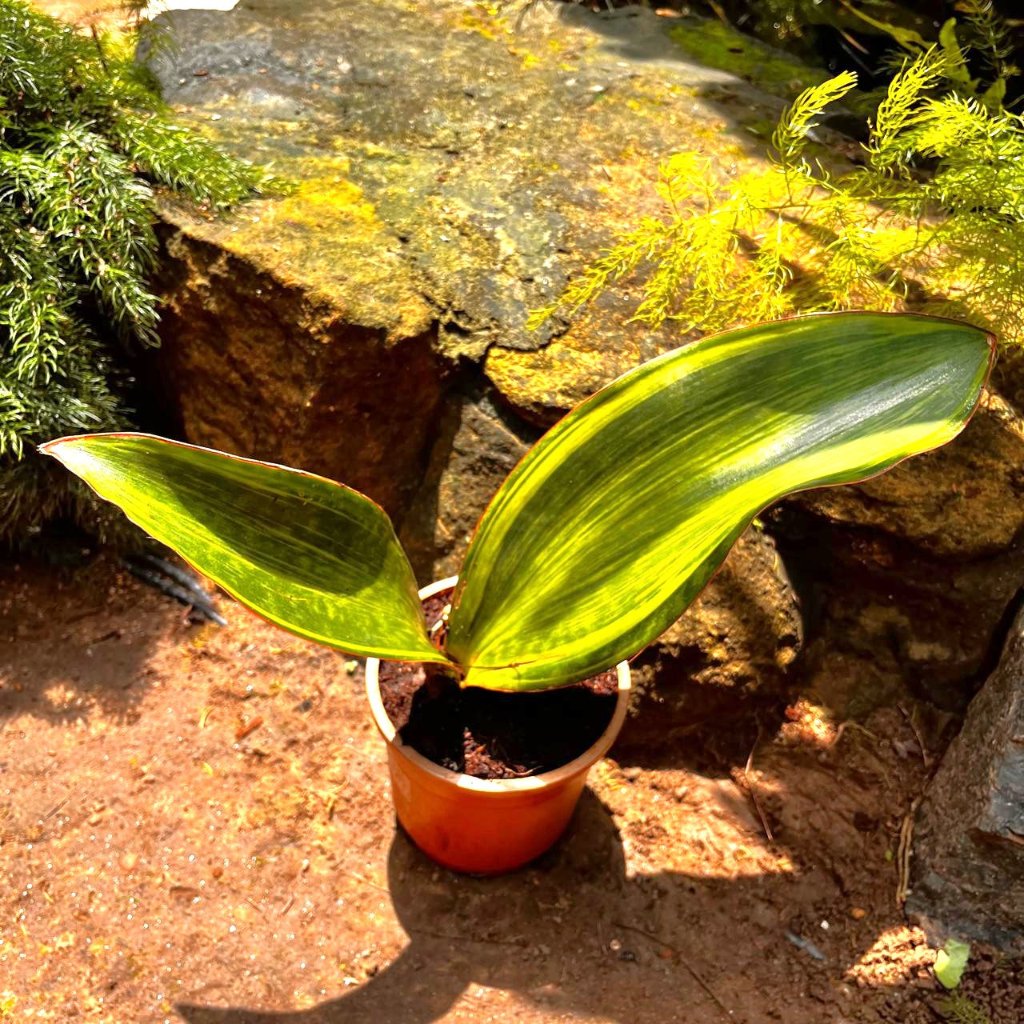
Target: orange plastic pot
[484,826]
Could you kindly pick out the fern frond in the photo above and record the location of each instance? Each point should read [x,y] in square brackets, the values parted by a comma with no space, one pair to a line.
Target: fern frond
[790,136]
[933,219]
[614,263]
[900,110]
[988,34]
[179,159]
[963,1010]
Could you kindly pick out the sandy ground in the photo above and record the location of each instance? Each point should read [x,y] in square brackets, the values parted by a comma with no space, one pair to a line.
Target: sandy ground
[195,826]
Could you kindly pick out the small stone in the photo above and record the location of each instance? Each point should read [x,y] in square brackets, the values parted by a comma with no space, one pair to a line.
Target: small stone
[129,860]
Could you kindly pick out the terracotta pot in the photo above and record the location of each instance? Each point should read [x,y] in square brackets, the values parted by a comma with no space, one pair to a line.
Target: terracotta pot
[484,826]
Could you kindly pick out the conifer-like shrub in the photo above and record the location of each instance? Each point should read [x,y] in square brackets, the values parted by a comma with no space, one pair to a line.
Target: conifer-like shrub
[927,215]
[84,140]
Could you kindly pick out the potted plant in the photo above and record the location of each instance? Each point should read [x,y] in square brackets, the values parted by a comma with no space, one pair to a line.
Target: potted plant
[598,540]
[488,825]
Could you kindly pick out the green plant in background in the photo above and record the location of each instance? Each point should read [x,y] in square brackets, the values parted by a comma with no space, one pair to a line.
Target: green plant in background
[985,34]
[931,219]
[853,31]
[83,140]
[608,528]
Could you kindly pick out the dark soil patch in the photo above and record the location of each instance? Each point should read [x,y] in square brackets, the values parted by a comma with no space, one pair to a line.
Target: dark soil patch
[493,735]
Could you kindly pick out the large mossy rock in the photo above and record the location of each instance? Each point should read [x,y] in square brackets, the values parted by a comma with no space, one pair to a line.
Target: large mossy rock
[454,163]
[452,166]
[260,361]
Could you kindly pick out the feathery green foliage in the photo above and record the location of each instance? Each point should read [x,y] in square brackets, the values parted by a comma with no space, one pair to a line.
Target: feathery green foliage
[961,1009]
[985,33]
[83,141]
[932,218]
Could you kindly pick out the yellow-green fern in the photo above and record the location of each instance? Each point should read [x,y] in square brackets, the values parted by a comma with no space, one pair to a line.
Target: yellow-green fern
[931,219]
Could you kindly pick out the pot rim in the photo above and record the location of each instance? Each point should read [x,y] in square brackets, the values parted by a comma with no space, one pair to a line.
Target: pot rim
[591,755]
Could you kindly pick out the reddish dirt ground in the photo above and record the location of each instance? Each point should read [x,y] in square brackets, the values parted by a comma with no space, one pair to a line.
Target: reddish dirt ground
[195,826]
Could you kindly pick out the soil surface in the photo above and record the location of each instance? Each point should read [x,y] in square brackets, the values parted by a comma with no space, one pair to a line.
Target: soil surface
[486,734]
[495,735]
[195,826]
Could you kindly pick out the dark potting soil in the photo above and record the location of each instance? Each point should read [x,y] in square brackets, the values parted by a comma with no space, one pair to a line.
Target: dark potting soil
[488,734]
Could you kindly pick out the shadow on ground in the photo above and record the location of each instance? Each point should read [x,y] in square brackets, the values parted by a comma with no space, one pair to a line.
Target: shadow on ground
[232,839]
[707,948]
[77,637]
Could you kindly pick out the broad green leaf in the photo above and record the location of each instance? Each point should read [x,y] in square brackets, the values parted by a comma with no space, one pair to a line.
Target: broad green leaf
[315,557]
[616,520]
[951,962]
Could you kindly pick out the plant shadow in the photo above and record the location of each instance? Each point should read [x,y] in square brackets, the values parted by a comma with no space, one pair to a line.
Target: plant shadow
[74,638]
[506,932]
[579,933]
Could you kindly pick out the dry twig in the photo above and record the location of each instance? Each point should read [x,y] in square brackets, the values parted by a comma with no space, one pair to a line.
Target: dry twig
[709,991]
[903,853]
[366,881]
[753,794]
[926,760]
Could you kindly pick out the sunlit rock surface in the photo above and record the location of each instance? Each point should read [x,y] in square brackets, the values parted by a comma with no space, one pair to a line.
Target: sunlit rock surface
[452,165]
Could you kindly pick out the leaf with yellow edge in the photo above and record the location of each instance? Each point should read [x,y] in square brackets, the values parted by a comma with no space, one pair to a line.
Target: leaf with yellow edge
[615,521]
[308,554]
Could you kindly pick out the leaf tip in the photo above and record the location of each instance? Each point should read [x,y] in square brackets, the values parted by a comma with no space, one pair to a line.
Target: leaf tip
[67,452]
